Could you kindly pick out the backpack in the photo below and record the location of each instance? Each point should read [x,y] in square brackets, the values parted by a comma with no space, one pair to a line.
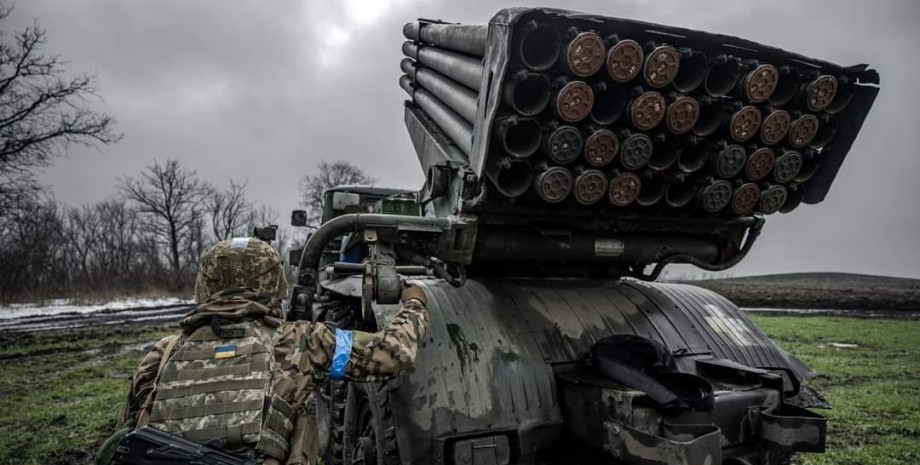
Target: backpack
[216,387]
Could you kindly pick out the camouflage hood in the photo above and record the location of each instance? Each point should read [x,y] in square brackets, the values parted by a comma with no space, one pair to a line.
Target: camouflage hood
[240,263]
[236,304]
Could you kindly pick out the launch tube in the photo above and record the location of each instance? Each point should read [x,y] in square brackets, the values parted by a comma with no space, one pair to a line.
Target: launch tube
[564,144]
[456,128]
[722,76]
[553,184]
[519,136]
[458,98]
[511,177]
[794,196]
[584,54]
[787,166]
[459,67]
[624,60]
[458,37]
[662,63]
[716,196]
[772,198]
[679,193]
[601,147]
[609,103]
[745,198]
[624,188]
[710,117]
[653,187]
[692,159]
[692,70]
[590,186]
[539,46]
[527,93]
[667,149]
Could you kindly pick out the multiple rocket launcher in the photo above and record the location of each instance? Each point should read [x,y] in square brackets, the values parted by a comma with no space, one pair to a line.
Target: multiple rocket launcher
[609,120]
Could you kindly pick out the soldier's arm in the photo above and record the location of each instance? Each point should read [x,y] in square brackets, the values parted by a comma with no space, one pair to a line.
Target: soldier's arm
[386,353]
[142,382]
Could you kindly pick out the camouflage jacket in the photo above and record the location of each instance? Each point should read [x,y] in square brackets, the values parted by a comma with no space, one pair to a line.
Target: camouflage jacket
[304,352]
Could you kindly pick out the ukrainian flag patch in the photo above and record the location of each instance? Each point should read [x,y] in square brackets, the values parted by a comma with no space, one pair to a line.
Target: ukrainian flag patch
[225,351]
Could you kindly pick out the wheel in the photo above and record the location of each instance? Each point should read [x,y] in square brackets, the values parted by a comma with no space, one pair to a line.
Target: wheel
[370,434]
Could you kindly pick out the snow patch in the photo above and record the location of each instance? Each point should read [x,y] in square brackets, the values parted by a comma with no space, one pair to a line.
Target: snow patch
[61,306]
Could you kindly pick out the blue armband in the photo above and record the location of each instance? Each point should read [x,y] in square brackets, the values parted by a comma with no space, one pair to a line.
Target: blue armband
[342,354]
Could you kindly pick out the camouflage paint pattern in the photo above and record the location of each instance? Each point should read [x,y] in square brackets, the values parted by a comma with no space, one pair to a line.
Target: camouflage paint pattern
[240,263]
[302,352]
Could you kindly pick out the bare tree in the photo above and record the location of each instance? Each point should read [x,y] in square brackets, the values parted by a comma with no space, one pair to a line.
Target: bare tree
[230,211]
[327,176]
[41,110]
[172,198]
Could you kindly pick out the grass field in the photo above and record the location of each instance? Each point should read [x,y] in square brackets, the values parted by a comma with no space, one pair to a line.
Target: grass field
[60,392]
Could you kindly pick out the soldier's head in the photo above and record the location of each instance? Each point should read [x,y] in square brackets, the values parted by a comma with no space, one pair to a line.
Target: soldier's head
[242,262]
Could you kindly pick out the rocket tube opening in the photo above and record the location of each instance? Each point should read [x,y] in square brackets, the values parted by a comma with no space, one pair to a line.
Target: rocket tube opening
[759,164]
[635,151]
[574,101]
[709,119]
[787,166]
[825,133]
[759,83]
[624,60]
[729,162]
[590,187]
[772,199]
[601,147]
[821,92]
[692,159]
[528,93]
[652,190]
[520,137]
[539,46]
[745,198]
[666,152]
[744,124]
[679,194]
[803,131]
[721,78]
[716,196]
[609,104]
[775,127]
[624,188]
[564,144]
[513,178]
[554,184]
[785,88]
[585,54]
[682,115]
[662,65]
[692,73]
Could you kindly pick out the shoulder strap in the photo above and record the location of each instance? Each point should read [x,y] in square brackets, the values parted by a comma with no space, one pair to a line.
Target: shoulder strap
[144,415]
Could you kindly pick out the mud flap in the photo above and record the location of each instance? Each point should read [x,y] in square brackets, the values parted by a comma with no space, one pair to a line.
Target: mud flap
[679,445]
[793,429]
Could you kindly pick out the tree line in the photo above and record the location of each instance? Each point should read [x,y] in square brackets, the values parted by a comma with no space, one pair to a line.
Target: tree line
[147,238]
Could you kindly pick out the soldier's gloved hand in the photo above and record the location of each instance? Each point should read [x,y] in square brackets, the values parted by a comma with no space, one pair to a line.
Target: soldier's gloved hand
[412,291]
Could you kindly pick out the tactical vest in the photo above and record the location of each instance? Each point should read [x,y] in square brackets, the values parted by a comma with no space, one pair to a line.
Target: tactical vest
[217,384]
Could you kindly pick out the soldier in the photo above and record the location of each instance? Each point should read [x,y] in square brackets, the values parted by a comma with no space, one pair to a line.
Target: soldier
[239,375]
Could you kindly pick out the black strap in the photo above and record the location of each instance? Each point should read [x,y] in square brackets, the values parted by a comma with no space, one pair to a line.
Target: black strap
[629,376]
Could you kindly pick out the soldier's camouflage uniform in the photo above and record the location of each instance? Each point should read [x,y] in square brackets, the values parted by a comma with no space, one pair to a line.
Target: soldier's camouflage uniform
[303,351]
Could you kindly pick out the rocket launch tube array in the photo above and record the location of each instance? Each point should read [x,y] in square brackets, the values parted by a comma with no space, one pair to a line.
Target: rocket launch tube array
[622,122]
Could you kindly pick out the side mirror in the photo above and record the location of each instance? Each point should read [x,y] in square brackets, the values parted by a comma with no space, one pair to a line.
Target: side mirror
[299,218]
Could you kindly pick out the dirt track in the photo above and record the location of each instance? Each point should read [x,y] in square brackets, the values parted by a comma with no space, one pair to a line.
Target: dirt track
[135,317]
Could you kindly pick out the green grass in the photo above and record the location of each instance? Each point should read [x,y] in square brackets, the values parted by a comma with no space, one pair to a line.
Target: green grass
[61,391]
[874,388]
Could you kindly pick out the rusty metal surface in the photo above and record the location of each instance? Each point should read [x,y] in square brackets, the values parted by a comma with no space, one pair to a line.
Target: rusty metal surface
[574,101]
[584,55]
[647,110]
[682,115]
[760,83]
[624,60]
[775,127]
[744,123]
[803,131]
[661,66]
[624,189]
[601,148]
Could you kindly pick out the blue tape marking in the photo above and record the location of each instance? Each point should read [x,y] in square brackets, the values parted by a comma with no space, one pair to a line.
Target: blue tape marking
[342,354]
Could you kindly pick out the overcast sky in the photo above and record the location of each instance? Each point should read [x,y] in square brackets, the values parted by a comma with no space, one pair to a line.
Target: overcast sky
[263,91]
